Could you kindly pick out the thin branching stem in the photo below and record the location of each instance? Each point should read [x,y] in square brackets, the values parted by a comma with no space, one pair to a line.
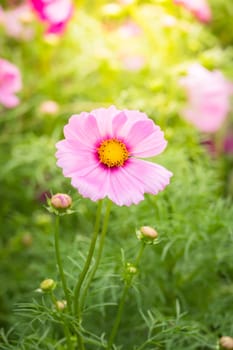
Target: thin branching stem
[84,273]
[99,254]
[65,325]
[59,262]
[127,286]
[87,263]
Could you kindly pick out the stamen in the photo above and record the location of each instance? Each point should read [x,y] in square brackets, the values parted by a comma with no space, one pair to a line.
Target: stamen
[112,153]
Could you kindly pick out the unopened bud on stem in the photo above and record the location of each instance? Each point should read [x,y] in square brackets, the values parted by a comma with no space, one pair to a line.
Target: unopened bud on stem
[61,305]
[61,201]
[226,342]
[147,234]
[47,285]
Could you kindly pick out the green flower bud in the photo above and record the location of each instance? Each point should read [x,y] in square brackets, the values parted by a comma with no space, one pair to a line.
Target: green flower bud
[48,285]
[131,269]
[26,239]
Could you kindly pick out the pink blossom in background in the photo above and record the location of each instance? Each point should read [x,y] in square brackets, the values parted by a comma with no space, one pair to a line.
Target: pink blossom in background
[199,8]
[10,83]
[208,95]
[132,62]
[101,151]
[49,107]
[126,2]
[55,13]
[129,29]
[16,22]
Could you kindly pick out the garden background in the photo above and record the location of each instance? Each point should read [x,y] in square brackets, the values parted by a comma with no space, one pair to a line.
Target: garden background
[134,55]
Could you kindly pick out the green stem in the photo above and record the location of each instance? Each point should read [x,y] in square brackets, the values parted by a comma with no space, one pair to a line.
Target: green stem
[122,301]
[87,263]
[138,258]
[59,262]
[66,327]
[68,337]
[118,316]
[99,254]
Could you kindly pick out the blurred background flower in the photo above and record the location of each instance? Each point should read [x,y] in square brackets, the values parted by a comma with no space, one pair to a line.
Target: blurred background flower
[200,9]
[55,14]
[10,83]
[208,98]
[17,22]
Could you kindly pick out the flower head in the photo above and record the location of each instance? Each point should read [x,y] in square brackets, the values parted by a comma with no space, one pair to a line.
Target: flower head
[15,22]
[208,98]
[199,8]
[100,154]
[10,83]
[55,13]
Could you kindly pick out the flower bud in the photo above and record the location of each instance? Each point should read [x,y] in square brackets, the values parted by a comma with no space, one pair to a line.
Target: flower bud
[61,201]
[26,239]
[131,269]
[147,234]
[48,285]
[226,342]
[129,272]
[49,107]
[61,305]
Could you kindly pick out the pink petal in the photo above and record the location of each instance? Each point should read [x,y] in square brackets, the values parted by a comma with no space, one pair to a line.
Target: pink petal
[129,183]
[104,118]
[83,128]
[75,160]
[58,11]
[9,101]
[153,177]
[117,123]
[125,189]
[93,185]
[145,139]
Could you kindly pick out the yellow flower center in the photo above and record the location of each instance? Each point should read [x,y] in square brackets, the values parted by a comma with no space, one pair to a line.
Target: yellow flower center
[112,153]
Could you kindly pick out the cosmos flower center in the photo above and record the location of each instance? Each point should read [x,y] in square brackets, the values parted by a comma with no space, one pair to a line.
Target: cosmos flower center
[112,153]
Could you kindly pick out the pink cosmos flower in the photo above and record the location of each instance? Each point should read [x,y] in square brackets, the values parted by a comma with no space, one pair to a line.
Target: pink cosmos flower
[55,13]
[10,83]
[199,8]
[15,22]
[100,155]
[208,98]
